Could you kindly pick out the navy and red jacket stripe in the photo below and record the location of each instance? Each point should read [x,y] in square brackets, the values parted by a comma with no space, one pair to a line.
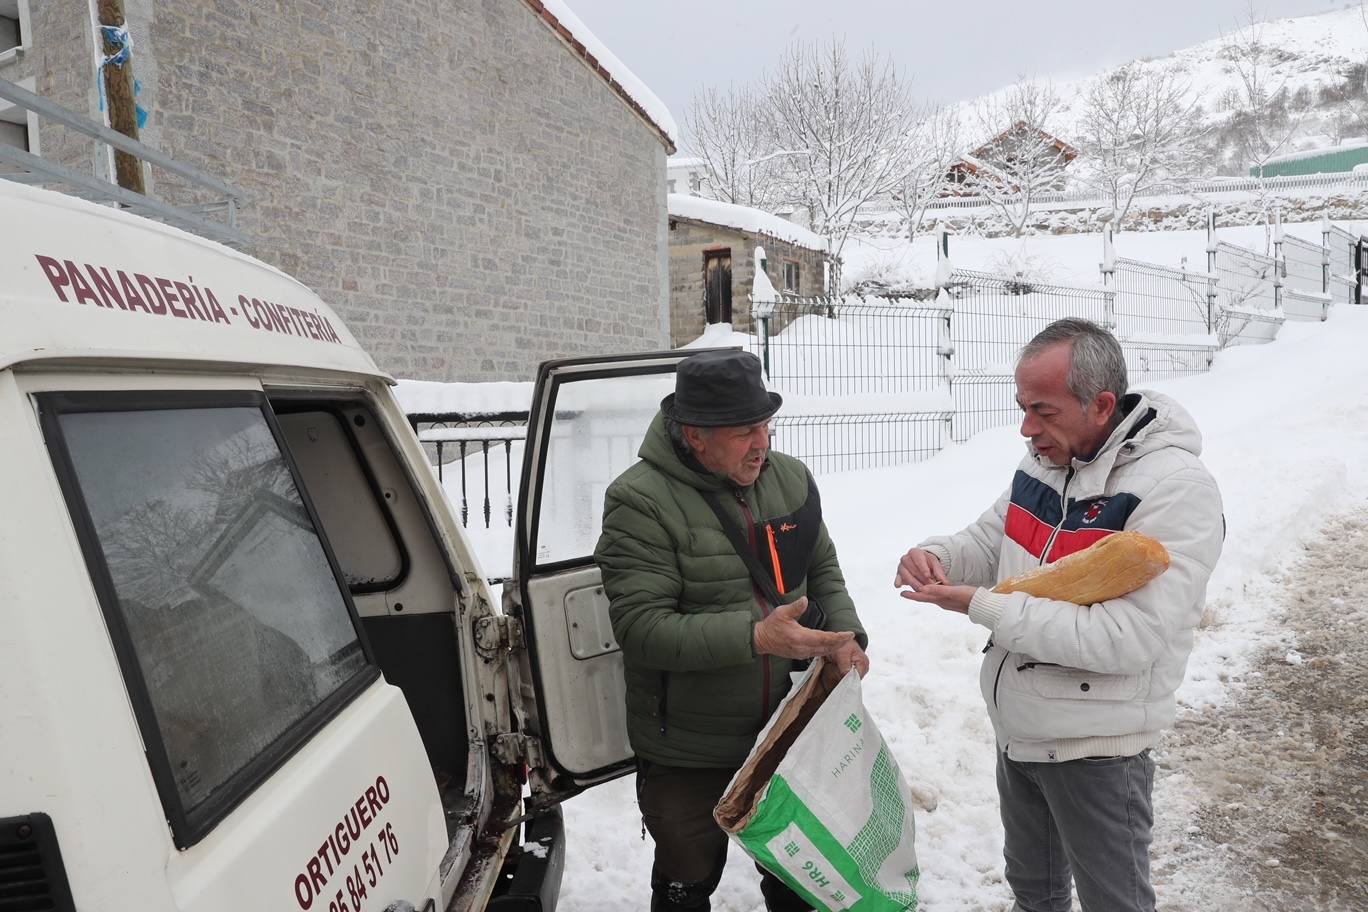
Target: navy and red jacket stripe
[1035,511]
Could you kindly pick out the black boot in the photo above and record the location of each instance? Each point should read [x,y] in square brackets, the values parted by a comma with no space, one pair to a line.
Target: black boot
[674,896]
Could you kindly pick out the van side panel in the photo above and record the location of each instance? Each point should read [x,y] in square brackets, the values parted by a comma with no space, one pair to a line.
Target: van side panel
[351,821]
[71,747]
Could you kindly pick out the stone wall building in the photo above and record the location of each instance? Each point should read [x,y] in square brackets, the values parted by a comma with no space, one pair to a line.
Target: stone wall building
[713,264]
[466,182]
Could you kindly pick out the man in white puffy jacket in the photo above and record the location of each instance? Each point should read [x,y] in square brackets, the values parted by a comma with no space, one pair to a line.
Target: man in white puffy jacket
[1078,694]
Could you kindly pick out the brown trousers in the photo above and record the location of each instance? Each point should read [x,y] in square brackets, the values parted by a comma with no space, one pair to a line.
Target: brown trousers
[690,848]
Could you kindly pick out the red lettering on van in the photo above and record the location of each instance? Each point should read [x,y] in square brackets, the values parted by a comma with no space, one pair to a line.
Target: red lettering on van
[56,275]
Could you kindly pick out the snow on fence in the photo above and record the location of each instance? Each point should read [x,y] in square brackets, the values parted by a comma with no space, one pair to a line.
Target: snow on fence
[1207,191]
[827,346]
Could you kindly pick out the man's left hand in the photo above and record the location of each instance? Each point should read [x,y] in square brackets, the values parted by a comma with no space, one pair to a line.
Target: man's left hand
[850,655]
[951,598]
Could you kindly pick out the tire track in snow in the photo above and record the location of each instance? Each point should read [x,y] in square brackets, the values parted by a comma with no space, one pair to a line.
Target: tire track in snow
[1277,778]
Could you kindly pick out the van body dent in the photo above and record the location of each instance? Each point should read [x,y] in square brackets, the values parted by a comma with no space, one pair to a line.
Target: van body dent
[248,658]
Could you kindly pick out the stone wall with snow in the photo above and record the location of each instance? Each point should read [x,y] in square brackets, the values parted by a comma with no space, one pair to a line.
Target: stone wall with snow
[453,177]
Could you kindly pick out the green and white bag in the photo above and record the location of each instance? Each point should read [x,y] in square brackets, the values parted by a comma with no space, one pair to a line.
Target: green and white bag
[820,801]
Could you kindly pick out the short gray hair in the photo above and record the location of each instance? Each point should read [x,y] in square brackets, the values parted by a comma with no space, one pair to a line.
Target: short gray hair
[675,430]
[1096,362]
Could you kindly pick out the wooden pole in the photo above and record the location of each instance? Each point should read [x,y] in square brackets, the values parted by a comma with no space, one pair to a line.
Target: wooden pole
[123,111]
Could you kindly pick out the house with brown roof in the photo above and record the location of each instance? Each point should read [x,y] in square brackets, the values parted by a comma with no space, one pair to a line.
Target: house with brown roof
[1019,139]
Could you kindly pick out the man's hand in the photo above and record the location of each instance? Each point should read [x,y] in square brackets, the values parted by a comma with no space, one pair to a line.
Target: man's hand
[780,634]
[919,568]
[951,598]
[850,656]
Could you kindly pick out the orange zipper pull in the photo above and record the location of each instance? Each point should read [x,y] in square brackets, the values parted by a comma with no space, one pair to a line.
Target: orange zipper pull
[774,560]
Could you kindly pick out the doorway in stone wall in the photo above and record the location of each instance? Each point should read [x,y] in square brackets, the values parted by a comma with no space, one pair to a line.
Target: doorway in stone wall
[717,285]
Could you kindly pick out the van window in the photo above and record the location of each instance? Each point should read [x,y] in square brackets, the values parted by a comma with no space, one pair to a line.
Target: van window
[232,607]
[596,430]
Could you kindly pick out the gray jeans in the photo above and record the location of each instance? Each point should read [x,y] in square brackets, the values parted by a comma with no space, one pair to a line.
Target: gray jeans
[1088,820]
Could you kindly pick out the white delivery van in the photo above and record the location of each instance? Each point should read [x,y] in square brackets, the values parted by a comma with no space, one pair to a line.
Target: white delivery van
[247,658]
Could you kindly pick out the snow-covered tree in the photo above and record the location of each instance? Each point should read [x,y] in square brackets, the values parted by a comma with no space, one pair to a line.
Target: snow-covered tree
[1260,121]
[1141,129]
[936,145]
[728,132]
[1021,158]
[843,132]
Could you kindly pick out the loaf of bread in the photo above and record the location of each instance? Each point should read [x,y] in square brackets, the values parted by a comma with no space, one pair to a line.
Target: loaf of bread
[1118,564]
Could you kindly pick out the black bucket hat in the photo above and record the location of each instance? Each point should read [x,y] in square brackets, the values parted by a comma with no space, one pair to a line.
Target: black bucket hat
[720,389]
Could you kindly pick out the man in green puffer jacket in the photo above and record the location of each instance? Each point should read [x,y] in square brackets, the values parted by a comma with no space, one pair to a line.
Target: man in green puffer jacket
[707,658]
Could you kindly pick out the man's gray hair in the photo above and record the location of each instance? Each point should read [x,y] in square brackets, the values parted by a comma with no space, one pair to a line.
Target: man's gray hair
[676,432]
[1096,362]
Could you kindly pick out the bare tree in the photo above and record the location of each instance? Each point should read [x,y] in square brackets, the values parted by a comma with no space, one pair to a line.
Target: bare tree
[1261,123]
[936,145]
[728,133]
[1021,158]
[843,132]
[1141,129]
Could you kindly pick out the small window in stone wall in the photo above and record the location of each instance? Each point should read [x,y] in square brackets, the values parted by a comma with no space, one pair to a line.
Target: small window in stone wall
[13,25]
[791,285]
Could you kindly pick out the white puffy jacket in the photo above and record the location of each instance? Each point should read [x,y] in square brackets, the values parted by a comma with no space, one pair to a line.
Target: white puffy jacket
[1064,681]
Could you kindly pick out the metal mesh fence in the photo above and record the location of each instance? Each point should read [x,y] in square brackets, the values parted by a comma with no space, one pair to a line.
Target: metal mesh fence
[1246,279]
[982,401]
[1302,265]
[1159,300]
[1343,277]
[1147,362]
[838,443]
[994,316]
[851,346]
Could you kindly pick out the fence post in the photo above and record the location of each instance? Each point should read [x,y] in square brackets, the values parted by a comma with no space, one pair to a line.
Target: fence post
[1279,269]
[1108,255]
[764,343]
[946,350]
[1211,270]
[1325,253]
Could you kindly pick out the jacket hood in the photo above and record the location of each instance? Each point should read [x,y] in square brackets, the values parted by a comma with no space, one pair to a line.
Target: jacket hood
[1153,422]
[659,450]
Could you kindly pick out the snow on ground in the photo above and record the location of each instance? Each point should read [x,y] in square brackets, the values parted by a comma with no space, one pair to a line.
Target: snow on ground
[1287,442]
[1070,259]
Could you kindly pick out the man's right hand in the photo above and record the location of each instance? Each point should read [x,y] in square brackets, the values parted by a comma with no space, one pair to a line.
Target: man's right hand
[920,568]
[780,634]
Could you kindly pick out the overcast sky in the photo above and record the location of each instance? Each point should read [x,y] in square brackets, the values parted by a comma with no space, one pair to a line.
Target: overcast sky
[953,48]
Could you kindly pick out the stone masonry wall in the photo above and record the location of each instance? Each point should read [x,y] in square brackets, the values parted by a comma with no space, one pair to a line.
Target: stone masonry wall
[688,242]
[60,61]
[450,176]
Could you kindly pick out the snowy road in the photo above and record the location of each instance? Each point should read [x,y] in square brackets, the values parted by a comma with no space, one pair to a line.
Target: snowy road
[1277,780]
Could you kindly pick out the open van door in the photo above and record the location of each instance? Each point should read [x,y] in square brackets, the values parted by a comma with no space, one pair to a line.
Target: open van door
[587,421]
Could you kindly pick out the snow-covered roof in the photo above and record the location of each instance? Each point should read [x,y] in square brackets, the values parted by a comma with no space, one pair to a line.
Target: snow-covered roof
[684,161]
[743,218]
[1316,153]
[563,20]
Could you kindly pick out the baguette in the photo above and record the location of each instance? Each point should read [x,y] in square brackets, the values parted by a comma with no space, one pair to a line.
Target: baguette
[1110,568]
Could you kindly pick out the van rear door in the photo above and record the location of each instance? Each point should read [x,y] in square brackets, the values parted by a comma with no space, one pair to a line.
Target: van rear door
[587,421]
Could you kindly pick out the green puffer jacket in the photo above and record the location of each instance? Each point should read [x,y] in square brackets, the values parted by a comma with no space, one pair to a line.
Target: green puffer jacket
[683,605]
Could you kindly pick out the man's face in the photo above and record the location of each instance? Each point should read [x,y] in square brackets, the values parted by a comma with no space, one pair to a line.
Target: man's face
[1059,427]
[737,452]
